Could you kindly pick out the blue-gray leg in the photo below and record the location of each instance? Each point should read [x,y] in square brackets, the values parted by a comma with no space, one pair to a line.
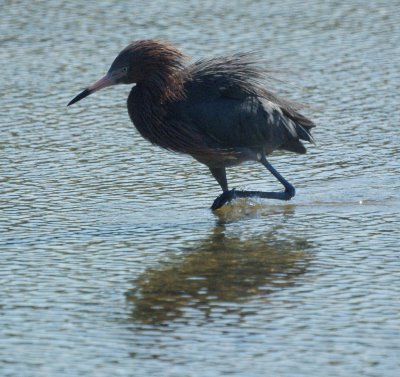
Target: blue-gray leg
[228,195]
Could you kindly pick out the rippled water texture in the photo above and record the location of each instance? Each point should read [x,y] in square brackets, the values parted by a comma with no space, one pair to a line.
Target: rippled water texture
[111,262]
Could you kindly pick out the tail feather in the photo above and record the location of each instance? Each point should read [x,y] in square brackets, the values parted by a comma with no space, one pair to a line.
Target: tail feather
[295,144]
[304,133]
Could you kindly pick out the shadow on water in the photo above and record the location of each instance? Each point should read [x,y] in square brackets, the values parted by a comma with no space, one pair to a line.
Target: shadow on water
[221,269]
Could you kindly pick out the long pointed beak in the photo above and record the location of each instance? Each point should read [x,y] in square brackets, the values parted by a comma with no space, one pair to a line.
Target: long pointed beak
[105,81]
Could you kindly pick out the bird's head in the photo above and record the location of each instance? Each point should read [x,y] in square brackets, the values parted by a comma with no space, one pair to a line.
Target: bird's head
[142,60]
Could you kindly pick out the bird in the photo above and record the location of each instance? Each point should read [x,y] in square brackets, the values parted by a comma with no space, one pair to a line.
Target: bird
[215,109]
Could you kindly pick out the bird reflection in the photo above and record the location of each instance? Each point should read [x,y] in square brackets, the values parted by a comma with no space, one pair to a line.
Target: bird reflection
[221,269]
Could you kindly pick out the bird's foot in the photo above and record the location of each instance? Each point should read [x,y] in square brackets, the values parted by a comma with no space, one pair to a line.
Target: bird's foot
[225,197]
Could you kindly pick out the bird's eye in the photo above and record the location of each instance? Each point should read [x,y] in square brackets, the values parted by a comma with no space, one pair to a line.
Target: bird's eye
[124,70]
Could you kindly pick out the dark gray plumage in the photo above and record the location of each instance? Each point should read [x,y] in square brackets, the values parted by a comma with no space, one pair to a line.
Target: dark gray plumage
[216,110]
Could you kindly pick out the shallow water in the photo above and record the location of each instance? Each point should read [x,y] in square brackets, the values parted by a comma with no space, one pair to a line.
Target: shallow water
[111,262]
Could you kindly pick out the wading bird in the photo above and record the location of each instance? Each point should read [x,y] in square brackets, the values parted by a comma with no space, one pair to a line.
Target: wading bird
[215,110]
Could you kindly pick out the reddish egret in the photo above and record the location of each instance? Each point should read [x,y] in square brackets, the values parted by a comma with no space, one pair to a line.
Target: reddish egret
[215,110]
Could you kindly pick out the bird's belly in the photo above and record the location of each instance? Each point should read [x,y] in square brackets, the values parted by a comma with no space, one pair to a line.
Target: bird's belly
[226,158]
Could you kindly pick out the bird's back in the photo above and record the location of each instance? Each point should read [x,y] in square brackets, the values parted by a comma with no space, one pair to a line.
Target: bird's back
[226,100]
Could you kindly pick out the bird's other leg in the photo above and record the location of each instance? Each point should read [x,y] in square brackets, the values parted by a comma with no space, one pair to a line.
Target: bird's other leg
[227,195]
[283,195]
[290,191]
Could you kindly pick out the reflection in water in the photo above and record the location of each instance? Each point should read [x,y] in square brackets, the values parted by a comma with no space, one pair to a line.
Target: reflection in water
[248,208]
[221,269]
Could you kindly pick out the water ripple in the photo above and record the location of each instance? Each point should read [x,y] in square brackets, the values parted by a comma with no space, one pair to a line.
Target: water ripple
[111,261]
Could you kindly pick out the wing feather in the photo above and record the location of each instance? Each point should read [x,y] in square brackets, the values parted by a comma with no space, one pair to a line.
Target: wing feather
[226,99]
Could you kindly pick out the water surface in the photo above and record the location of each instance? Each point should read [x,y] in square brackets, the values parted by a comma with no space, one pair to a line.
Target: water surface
[111,262]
